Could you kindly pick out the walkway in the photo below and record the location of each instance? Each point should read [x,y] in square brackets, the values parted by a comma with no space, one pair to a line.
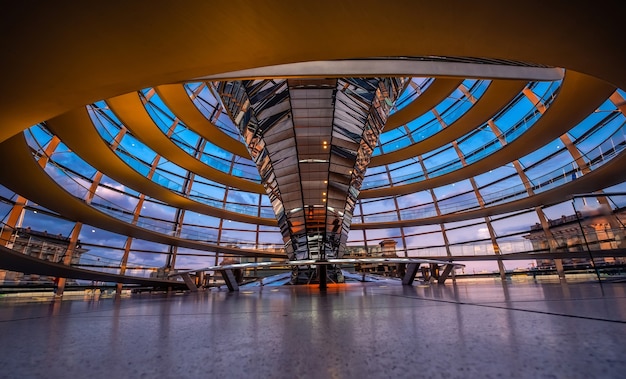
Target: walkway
[15,261]
[480,329]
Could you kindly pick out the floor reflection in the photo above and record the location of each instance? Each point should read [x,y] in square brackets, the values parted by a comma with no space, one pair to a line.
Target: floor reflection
[479,329]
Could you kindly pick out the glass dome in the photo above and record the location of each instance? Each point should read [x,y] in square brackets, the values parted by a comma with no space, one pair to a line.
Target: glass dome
[468,171]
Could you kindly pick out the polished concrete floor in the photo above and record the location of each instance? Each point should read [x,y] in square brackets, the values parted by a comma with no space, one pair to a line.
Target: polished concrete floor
[480,329]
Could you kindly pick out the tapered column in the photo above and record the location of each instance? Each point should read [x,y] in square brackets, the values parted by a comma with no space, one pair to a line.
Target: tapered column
[312,140]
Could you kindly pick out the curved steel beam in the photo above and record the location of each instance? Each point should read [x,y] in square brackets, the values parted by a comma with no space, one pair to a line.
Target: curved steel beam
[16,261]
[177,100]
[25,177]
[131,111]
[579,96]
[401,67]
[434,94]
[609,174]
[497,96]
[75,127]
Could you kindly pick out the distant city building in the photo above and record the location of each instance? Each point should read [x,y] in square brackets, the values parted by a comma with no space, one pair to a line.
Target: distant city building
[602,230]
[42,245]
[384,249]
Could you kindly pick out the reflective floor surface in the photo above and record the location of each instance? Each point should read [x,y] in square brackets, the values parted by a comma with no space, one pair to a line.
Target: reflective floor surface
[482,329]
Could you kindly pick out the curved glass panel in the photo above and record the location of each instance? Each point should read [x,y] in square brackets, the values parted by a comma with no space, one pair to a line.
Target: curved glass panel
[209,105]
[512,121]
[116,200]
[189,141]
[412,91]
[597,139]
[173,177]
[445,113]
[545,168]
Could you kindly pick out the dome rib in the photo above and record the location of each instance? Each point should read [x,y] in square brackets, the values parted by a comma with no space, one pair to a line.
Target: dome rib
[580,95]
[75,127]
[433,95]
[498,95]
[176,99]
[609,174]
[130,110]
[27,178]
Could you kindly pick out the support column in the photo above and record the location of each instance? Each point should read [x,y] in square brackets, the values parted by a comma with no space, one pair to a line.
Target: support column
[189,282]
[124,260]
[501,269]
[446,272]
[321,156]
[434,271]
[322,275]
[200,279]
[229,278]
[558,263]
[69,254]
[13,222]
[411,271]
